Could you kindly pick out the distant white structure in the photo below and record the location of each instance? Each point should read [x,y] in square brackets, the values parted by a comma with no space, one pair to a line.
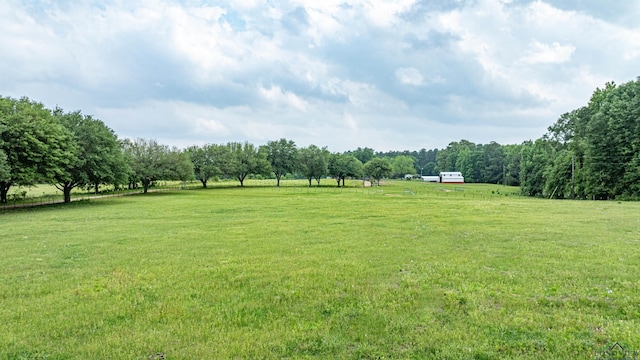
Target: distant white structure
[451,177]
[434,179]
[408,177]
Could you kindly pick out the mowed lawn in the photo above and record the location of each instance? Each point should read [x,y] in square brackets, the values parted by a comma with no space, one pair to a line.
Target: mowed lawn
[258,273]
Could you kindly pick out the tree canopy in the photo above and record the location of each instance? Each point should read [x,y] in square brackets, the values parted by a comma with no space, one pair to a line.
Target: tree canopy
[151,161]
[96,159]
[283,157]
[208,161]
[246,159]
[36,147]
[378,168]
[314,162]
[342,166]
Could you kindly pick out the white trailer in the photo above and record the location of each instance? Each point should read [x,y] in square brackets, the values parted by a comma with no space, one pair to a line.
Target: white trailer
[451,178]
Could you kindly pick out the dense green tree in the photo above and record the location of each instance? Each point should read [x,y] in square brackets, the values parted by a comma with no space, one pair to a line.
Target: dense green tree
[5,169]
[246,159]
[467,162]
[208,161]
[426,162]
[603,142]
[402,164]
[353,168]
[314,162]
[513,154]
[431,169]
[364,155]
[178,165]
[534,161]
[378,168]
[447,159]
[37,147]
[97,155]
[613,141]
[342,166]
[492,164]
[151,161]
[557,175]
[283,157]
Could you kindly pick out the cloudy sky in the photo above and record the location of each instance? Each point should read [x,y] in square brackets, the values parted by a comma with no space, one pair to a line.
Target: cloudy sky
[391,75]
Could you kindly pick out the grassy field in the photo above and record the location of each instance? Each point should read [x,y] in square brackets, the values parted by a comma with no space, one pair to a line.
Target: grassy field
[406,270]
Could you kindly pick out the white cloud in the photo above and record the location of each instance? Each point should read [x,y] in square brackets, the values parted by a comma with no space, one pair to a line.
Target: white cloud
[379,73]
[409,76]
[549,54]
[288,100]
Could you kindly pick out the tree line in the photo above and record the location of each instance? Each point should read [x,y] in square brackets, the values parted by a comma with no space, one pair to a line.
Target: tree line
[590,152]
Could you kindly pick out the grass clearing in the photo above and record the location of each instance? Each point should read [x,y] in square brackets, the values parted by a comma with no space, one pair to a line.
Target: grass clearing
[448,272]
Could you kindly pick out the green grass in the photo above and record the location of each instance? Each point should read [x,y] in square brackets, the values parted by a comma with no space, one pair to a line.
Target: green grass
[452,272]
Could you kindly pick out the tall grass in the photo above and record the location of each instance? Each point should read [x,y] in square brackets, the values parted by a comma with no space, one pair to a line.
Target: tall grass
[406,270]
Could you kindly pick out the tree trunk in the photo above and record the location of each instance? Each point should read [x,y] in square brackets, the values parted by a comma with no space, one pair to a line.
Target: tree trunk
[204,183]
[66,191]
[278,180]
[145,185]
[338,178]
[95,189]
[343,182]
[309,182]
[4,190]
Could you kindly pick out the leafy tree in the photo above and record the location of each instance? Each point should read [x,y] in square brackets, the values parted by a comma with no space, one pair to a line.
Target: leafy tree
[431,169]
[513,154]
[314,162]
[602,138]
[425,163]
[36,146]
[466,162]
[342,166]
[353,167]
[364,155]
[336,167]
[402,164]
[208,161]
[447,159]
[557,175]
[178,165]
[97,156]
[378,168]
[612,141]
[534,161]
[151,161]
[5,169]
[283,157]
[246,159]
[492,167]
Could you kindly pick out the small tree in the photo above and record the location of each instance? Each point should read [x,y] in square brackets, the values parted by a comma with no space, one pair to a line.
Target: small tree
[402,165]
[151,161]
[98,158]
[313,162]
[283,157]
[208,161]
[245,159]
[341,166]
[36,147]
[378,169]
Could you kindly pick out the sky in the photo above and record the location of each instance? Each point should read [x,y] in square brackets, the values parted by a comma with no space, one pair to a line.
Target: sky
[389,75]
